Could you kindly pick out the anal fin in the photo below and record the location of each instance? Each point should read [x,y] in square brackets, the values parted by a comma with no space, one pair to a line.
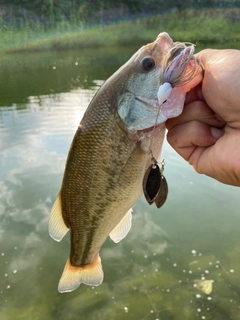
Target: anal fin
[57,228]
[72,276]
[122,228]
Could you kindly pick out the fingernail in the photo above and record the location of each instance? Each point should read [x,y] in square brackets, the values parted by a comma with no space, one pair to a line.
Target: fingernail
[216,133]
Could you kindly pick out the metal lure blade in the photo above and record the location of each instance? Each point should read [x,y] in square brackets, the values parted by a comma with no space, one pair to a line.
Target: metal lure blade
[162,193]
[152,183]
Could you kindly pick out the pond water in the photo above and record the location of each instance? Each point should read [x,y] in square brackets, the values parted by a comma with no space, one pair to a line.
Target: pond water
[149,275]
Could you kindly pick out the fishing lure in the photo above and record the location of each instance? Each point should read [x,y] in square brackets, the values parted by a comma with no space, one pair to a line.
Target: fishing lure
[176,72]
[155,187]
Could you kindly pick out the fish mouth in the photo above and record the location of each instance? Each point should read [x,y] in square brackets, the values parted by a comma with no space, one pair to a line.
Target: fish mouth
[164,41]
[170,108]
[142,114]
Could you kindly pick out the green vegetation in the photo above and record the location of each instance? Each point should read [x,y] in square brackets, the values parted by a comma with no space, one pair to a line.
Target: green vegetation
[48,12]
[202,27]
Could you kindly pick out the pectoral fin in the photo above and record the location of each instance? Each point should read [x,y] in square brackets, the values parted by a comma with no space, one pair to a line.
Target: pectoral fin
[57,228]
[122,228]
[72,276]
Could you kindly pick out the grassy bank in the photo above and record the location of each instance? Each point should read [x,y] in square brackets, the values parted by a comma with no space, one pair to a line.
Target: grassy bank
[200,27]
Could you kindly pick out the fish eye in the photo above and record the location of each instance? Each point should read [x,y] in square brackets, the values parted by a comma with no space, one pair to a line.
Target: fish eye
[148,63]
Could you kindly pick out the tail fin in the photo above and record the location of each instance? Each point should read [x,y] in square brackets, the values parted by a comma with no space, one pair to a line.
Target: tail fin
[72,276]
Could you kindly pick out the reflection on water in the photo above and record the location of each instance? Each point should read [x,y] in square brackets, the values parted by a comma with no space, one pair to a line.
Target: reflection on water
[152,273]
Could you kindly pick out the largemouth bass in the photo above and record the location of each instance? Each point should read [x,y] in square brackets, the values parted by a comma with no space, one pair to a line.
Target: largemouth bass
[109,154]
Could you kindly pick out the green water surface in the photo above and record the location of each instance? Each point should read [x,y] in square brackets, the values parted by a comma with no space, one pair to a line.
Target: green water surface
[150,274]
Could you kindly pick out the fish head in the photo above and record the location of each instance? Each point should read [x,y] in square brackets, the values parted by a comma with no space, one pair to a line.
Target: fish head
[148,97]
[145,67]
[139,104]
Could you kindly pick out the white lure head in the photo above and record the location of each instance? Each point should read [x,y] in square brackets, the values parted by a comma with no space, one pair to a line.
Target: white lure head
[164,92]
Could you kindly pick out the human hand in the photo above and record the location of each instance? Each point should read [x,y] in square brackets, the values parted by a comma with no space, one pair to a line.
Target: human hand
[207,133]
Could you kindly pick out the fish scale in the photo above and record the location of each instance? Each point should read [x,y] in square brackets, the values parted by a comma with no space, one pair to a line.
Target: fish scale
[90,149]
[108,158]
